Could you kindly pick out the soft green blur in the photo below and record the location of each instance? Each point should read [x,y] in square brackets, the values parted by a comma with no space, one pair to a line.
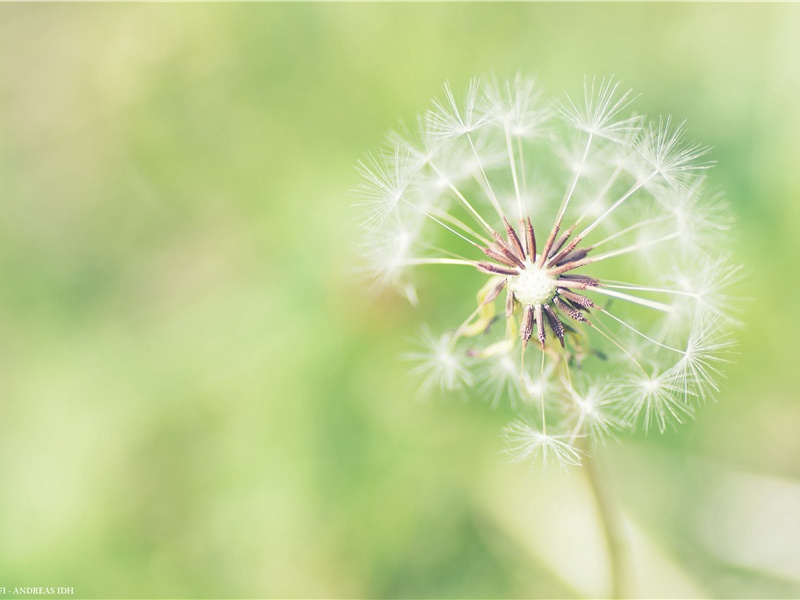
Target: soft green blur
[200,398]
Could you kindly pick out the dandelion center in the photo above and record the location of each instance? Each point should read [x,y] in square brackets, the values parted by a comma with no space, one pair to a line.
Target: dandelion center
[533,286]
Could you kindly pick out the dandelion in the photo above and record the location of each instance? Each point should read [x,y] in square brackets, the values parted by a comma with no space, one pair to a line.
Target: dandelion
[438,364]
[527,442]
[587,230]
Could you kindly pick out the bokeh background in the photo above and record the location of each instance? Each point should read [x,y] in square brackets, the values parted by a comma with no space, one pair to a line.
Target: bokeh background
[198,396]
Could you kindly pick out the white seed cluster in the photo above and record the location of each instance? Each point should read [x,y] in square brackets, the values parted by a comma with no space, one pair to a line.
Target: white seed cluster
[589,229]
[533,286]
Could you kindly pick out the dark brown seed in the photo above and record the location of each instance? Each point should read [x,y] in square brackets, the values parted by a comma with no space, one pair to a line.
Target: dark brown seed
[495,269]
[570,247]
[501,242]
[549,244]
[555,323]
[571,284]
[540,325]
[502,258]
[509,304]
[503,247]
[526,328]
[530,239]
[575,277]
[575,264]
[571,312]
[561,241]
[513,239]
[579,277]
[582,301]
[495,292]
[575,255]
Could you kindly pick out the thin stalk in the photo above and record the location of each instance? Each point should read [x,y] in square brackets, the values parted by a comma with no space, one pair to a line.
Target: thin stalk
[610,520]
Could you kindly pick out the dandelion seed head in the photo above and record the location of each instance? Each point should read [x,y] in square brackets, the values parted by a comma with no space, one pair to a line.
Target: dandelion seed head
[602,286]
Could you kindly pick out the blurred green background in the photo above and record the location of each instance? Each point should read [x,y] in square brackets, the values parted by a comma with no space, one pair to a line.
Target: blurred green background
[198,396]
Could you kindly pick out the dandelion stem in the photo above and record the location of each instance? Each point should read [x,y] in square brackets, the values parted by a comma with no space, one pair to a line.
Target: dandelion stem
[610,520]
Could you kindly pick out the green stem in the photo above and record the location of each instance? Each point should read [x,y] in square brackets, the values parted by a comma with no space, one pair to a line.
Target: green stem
[610,519]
